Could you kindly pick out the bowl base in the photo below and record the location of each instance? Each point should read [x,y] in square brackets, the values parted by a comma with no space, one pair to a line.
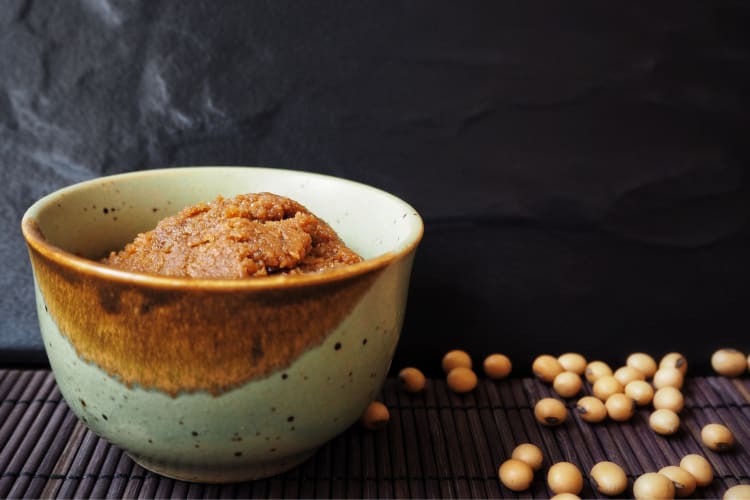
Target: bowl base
[247,472]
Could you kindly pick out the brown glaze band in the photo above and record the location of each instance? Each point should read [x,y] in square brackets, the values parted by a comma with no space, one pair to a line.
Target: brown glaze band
[188,338]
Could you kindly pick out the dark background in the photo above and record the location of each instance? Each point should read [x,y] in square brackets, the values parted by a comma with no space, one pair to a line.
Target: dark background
[581,167]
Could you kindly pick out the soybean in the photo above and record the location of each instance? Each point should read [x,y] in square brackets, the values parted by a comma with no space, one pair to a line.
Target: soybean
[591,409]
[530,454]
[737,492]
[515,474]
[620,407]
[699,468]
[550,411]
[640,391]
[668,377]
[376,416]
[653,485]
[605,386]
[609,477]
[454,359]
[669,398]
[729,362]
[497,366]
[596,370]
[546,367]
[567,384]
[643,363]
[565,496]
[564,477]
[572,362]
[411,379]
[664,422]
[462,379]
[683,481]
[674,360]
[718,437]
[626,374]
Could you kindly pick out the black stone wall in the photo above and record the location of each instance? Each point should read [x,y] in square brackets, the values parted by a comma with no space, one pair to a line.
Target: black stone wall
[581,167]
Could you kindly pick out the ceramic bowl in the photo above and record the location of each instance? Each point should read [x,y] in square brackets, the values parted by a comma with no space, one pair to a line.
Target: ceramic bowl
[217,380]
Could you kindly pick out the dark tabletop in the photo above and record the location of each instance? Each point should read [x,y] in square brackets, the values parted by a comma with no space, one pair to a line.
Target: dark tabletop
[437,444]
[582,169]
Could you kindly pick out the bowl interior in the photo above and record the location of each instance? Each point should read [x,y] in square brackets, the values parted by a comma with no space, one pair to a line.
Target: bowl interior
[92,218]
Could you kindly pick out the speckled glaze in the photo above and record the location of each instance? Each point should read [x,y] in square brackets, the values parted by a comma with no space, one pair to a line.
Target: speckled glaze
[217,380]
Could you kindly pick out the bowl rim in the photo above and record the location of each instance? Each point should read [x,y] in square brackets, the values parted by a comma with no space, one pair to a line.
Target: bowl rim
[36,242]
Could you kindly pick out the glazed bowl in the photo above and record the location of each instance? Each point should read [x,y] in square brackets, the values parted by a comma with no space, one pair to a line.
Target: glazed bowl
[217,380]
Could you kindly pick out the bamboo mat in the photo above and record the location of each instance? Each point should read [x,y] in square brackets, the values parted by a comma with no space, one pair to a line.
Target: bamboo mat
[437,445]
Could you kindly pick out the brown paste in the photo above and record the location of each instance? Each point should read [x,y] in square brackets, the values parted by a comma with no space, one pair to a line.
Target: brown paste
[249,235]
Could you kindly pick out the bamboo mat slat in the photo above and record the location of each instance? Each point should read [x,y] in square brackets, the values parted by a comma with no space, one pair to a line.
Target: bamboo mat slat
[438,444]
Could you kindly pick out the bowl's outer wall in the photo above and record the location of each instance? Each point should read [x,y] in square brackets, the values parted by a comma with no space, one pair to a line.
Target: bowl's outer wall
[217,380]
[191,339]
[263,421]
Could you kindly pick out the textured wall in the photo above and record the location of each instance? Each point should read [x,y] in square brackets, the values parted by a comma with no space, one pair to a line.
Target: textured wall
[581,168]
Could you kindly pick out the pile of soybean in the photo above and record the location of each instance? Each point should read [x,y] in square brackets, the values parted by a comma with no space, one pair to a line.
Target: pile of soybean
[640,382]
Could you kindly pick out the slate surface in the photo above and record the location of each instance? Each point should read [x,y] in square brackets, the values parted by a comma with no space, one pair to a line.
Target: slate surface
[582,169]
